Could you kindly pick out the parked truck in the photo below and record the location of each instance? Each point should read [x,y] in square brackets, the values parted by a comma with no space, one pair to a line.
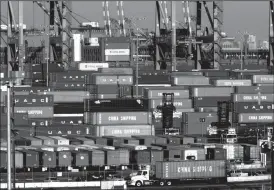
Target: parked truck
[176,172]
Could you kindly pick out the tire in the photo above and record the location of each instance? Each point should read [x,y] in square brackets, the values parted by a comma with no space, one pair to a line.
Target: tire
[138,184]
[162,183]
[169,183]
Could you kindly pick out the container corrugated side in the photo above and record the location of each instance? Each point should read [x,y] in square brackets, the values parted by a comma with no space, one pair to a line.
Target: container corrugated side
[122,130]
[127,71]
[117,157]
[49,159]
[212,91]
[178,103]
[190,80]
[253,97]
[33,100]
[35,112]
[254,89]
[31,159]
[209,101]
[256,118]
[96,158]
[158,94]
[263,79]
[191,169]
[62,130]
[81,159]
[233,83]
[117,118]
[19,158]
[64,158]
[253,107]
[125,80]
[106,79]
[68,96]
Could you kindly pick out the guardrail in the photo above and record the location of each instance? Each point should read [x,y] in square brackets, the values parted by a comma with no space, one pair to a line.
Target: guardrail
[102,184]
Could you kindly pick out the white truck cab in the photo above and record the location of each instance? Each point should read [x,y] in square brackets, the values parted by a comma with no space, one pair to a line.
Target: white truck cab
[139,178]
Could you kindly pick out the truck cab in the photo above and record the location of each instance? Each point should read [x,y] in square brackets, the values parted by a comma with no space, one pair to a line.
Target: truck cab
[139,179]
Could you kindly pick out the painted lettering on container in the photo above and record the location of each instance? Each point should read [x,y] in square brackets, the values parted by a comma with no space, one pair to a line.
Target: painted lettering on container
[122,118]
[254,97]
[175,94]
[260,118]
[194,169]
[125,131]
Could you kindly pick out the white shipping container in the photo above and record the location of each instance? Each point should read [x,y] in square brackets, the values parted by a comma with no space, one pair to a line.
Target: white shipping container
[233,83]
[253,97]
[117,52]
[190,80]
[263,79]
[212,91]
[123,130]
[92,66]
[125,80]
[68,96]
[77,47]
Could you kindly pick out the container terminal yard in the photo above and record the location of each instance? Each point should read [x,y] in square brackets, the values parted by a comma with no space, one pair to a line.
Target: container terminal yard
[117,107]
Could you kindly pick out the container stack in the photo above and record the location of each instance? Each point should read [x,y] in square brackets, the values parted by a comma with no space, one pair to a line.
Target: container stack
[191,80]
[205,99]
[253,105]
[182,104]
[120,117]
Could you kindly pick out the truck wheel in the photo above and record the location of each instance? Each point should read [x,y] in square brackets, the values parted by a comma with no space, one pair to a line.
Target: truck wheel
[162,183]
[138,184]
[169,183]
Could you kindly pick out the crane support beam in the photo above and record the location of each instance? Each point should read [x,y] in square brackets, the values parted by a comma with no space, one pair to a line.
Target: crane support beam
[208,15]
[271,35]
[198,34]
[173,23]
[218,27]
[21,47]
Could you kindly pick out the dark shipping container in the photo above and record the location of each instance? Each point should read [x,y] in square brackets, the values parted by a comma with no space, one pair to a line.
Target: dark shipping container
[32,90]
[49,159]
[117,157]
[62,131]
[154,79]
[70,86]
[69,96]
[209,101]
[64,159]
[254,89]
[31,159]
[116,105]
[146,157]
[68,120]
[102,89]
[80,159]
[79,76]
[69,108]
[41,122]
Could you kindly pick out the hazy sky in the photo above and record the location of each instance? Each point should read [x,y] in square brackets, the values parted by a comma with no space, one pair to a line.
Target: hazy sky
[250,16]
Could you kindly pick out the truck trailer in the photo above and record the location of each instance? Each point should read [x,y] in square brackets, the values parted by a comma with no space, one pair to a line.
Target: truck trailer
[176,172]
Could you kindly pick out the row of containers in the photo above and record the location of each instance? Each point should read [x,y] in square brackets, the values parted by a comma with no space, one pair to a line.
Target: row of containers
[76,152]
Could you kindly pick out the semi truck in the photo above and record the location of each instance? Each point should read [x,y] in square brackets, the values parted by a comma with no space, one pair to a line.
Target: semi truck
[169,173]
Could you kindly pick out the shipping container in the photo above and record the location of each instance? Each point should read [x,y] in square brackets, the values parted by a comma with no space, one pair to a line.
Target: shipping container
[103,79]
[251,152]
[92,54]
[189,80]
[3,159]
[263,79]
[24,131]
[191,169]
[68,96]
[69,108]
[254,89]
[233,151]
[96,158]
[62,130]
[80,159]
[212,91]
[35,112]
[117,58]
[121,71]
[216,154]
[111,141]
[177,154]
[104,96]
[31,159]
[209,101]
[64,159]
[51,68]
[46,140]
[256,118]
[72,120]
[117,157]
[125,80]
[253,107]
[19,119]
[206,109]
[85,141]
[116,105]
[49,159]
[79,76]
[146,157]
[102,89]
[33,141]
[217,73]
[253,97]
[186,73]
[154,79]
[33,100]
[233,83]
[41,122]
[60,140]
[122,130]
[178,140]
[70,86]
[146,140]
[32,90]
[117,118]
[18,159]
[92,66]
[151,93]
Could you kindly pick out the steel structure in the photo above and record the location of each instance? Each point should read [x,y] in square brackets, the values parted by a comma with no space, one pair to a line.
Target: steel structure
[271,35]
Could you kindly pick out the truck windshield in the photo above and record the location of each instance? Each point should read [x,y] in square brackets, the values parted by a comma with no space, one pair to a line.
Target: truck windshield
[139,173]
